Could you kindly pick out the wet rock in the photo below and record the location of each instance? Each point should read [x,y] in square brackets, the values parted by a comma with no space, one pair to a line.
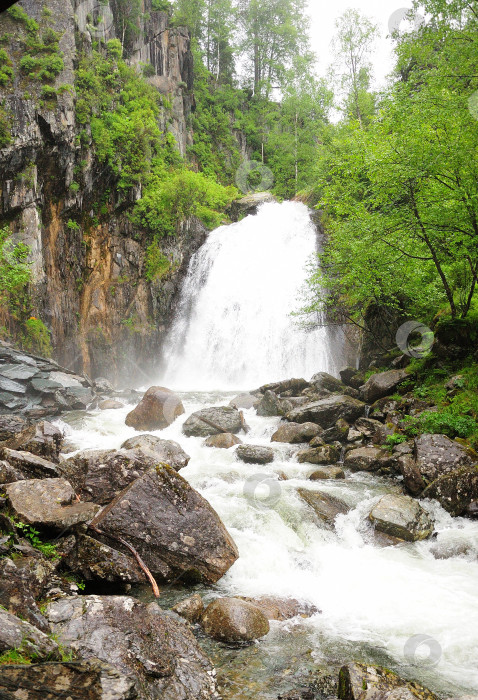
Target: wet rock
[366,459]
[275,608]
[244,401]
[328,411]
[23,465]
[46,503]
[291,387]
[373,430]
[412,479]
[326,507]
[110,405]
[382,384]
[25,638]
[222,441]
[255,454]
[226,419]
[270,405]
[364,682]
[324,381]
[165,450]
[317,442]
[233,620]
[43,439]
[174,529]
[327,473]
[191,608]
[21,582]
[96,561]
[10,426]
[437,455]
[248,205]
[352,377]
[456,491]
[100,475]
[338,432]
[103,386]
[295,433]
[158,408]
[401,517]
[140,641]
[327,454]
[81,680]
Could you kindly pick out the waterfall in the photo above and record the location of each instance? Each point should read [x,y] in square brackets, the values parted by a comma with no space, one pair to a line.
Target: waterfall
[234,328]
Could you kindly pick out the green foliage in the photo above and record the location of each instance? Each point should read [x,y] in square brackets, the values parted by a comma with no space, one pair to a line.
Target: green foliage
[73,225]
[6,70]
[394,440]
[17,13]
[161,6]
[36,337]
[114,48]
[157,264]
[5,128]
[32,535]
[14,275]
[14,656]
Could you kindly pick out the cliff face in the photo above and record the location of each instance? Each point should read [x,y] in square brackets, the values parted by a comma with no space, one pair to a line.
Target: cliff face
[88,282]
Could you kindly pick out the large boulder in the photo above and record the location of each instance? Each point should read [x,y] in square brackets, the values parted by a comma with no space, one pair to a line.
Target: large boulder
[174,529]
[142,642]
[295,433]
[326,454]
[255,454]
[367,459]
[373,430]
[191,608]
[327,412]
[233,620]
[158,408]
[281,609]
[271,405]
[164,450]
[25,638]
[382,384]
[81,680]
[289,387]
[97,561]
[364,682]
[338,432]
[456,491]
[10,426]
[47,503]
[212,421]
[22,582]
[437,455]
[401,517]
[43,439]
[222,441]
[352,377]
[326,507]
[326,473]
[322,381]
[244,401]
[17,466]
[100,475]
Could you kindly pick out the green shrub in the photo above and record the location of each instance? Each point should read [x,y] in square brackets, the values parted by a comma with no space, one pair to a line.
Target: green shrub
[48,92]
[17,13]
[6,70]
[15,275]
[161,6]
[114,48]
[444,422]
[37,337]
[157,264]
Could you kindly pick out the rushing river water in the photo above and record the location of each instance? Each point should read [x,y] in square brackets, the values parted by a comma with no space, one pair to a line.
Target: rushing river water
[234,331]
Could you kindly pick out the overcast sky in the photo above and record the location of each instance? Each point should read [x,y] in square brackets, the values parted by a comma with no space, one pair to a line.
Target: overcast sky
[324,13]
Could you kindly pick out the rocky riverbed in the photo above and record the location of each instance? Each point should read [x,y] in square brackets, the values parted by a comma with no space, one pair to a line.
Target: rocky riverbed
[290,540]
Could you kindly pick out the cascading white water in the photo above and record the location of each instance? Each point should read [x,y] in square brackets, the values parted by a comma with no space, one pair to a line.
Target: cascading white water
[234,327]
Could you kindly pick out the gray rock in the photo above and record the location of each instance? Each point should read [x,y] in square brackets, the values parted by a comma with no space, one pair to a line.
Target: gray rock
[81,680]
[327,454]
[456,491]
[191,608]
[46,503]
[338,432]
[103,385]
[373,430]
[244,401]
[164,450]
[326,507]
[19,466]
[327,412]
[290,387]
[158,409]
[296,433]
[401,517]
[222,441]
[412,478]
[43,439]
[366,682]
[275,608]
[233,620]
[367,459]
[25,638]
[248,205]
[382,384]
[255,454]
[324,381]
[96,561]
[100,475]
[22,583]
[10,426]
[174,529]
[142,642]
[19,372]
[437,455]
[11,387]
[270,405]
[325,473]
[45,386]
[110,405]
[226,418]
[352,377]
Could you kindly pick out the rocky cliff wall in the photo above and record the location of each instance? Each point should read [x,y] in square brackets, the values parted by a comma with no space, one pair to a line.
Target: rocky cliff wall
[88,283]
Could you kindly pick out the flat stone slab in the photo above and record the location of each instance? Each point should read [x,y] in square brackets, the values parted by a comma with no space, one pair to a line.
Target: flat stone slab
[326,507]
